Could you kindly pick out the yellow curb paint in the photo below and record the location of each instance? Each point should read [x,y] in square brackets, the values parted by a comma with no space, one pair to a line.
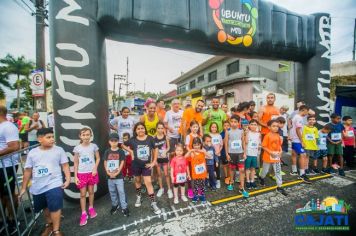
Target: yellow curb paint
[267,189]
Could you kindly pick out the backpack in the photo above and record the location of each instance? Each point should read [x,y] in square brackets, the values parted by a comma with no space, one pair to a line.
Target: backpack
[30,123]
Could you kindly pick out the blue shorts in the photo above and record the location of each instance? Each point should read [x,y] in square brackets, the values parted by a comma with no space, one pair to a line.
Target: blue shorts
[250,162]
[297,147]
[322,153]
[52,199]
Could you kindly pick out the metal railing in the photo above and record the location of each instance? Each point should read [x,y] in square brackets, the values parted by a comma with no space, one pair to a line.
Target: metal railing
[17,217]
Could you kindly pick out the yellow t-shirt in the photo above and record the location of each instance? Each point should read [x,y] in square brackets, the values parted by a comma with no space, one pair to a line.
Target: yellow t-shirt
[151,125]
[310,136]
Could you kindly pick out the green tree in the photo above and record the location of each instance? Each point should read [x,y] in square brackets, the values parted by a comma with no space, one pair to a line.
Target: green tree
[20,67]
[4,82]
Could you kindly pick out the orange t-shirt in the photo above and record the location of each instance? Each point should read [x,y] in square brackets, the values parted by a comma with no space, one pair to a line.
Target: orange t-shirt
[198,166]
[161,113]
[273,142]
[269,113]
[189,115]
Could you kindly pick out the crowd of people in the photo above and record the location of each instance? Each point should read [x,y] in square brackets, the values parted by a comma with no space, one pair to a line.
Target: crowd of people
[185,152]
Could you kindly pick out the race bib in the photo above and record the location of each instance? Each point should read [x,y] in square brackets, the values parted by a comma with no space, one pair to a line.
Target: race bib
[350,133]
[112,165]
[41,171]
[309,137]
[211,155]
[275,157]
[216,141]
[181,178]
[126,153]
[162,153]
[199,169]
[143,153]
[323,141]
[85,160]
[253,144]
[236,144]
[336,136]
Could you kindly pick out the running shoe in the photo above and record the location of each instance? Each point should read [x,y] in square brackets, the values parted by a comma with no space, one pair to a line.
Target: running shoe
[126,212]
[316,170]
[190,193]
[92,213]
[184,198]
[262,182]
[341,172]
[248,185]
[254,185]
[305,179]
[230,187]
[170,193]
[293,173]
[218,185]
[138,201]
[244,193]
[113,210]
[155,208]
[283,173]
[176,201]
[202,199]
[325,171]
[195,199]
[281,191]
[83,219]
[160,192]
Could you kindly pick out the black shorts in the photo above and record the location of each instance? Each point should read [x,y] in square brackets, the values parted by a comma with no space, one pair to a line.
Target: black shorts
[223,159]
[162,160]
[24,137]
[141,171]
[51,199]
[11,176]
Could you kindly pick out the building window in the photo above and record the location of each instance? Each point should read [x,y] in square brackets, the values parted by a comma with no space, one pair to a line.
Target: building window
[182,89]
[233,67]
[212,76]
[192,84]
[201,79]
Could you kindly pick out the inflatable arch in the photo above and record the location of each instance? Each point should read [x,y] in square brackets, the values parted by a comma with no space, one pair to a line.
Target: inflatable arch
[242,28]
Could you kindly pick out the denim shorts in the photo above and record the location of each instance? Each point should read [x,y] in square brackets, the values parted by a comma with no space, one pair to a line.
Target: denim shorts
[312,154]
[51,199]
[322,153]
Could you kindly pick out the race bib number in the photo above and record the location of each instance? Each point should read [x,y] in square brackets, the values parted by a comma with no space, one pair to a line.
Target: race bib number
[143,153]
[41,171]
[323,141]
[309,137]
[85,160]
[253,144]
[199,169]
[162,153]
[112,165]
[275,157]
[236,144]
[181,178]
[350,133]
[216,141]
[336,136]
[210,155]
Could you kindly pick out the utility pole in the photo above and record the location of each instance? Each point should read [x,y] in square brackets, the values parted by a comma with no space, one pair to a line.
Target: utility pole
[354,50]
[127,75]
[41,14]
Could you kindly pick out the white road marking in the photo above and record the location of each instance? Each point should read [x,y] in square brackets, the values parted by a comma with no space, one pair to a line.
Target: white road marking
[175,211]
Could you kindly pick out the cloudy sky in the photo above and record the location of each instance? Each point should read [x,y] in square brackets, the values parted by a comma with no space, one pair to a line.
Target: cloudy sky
[147,63]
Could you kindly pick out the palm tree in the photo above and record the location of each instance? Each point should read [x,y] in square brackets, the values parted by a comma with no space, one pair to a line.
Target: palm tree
[19,67]
[3,83]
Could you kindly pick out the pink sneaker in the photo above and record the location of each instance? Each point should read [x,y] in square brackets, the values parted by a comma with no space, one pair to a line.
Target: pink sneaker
[83,219]
[92,213]
[190,193]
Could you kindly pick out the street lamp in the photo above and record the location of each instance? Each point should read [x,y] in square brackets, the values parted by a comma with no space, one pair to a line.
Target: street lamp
[114,99]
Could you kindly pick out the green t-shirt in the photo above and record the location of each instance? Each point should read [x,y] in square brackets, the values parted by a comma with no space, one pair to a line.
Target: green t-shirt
[24,121]
[218,117]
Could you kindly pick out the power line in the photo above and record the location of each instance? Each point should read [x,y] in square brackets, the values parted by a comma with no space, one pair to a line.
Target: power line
[27,6]
[24,8]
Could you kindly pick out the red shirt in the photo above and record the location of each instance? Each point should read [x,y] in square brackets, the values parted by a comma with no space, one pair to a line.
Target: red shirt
[179,168]
[349,136]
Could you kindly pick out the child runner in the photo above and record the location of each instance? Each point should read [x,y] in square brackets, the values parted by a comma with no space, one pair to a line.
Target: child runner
[322,150]
[123,124]
[86,161]
[272,145]
[334,143]
[252,144]
[234,146]
[211,160]
[144,153]
[224,162]
[127,170]
[162,143]
[310,136]
[281,125]
[196,157]
[218,145]
[349,141]
[114,160]
[179,173]
[44,165]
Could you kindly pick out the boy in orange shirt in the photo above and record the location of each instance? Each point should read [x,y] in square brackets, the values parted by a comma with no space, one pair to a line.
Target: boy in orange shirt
[196,157]
[272,146]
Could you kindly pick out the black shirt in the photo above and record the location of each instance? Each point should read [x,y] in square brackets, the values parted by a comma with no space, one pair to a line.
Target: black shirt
[142,150]
[114,159]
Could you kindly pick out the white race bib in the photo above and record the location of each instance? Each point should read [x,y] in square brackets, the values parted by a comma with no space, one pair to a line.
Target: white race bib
[309,137]
[336,136]
[112,165]
[216,141]
[253,144]
[85,161]
[41,171]
[211,155]
[350,133]
[200,169]
[162,153]
[143,153]
[275,157]
[181,178]
[126,153]
[236,144]
[322,141]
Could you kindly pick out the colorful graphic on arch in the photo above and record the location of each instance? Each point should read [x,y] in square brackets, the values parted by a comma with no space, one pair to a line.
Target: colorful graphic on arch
[235,27]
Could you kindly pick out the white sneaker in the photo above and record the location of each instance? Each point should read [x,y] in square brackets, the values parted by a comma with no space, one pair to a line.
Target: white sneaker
[155,208]
[160,192]
[170,193]
[184,198]
[176,201]
[218,184]
[138,201]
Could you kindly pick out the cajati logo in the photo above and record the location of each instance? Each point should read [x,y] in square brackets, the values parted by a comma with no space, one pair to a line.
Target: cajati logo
[327,214]
[236,22]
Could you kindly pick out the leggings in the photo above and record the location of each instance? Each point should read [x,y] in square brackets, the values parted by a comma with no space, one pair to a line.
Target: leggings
[349,155]
[217,170]
[199,185]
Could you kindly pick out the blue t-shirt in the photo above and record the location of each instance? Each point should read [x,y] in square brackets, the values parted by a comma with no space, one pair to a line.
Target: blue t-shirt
[335,134]
[322,141]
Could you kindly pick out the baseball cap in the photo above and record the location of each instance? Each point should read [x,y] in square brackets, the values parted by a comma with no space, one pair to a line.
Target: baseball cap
[114,136]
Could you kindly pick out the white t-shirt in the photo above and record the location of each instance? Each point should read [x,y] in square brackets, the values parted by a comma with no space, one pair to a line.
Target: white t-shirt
[50,120]
[253,144]
[8,133]
[46,168]
[217,141]
[297,122]
[173,119]
[123,125]
[86,156]
[32,135]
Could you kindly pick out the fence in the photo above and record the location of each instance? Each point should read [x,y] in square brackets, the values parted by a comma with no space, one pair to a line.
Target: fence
[17,218]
